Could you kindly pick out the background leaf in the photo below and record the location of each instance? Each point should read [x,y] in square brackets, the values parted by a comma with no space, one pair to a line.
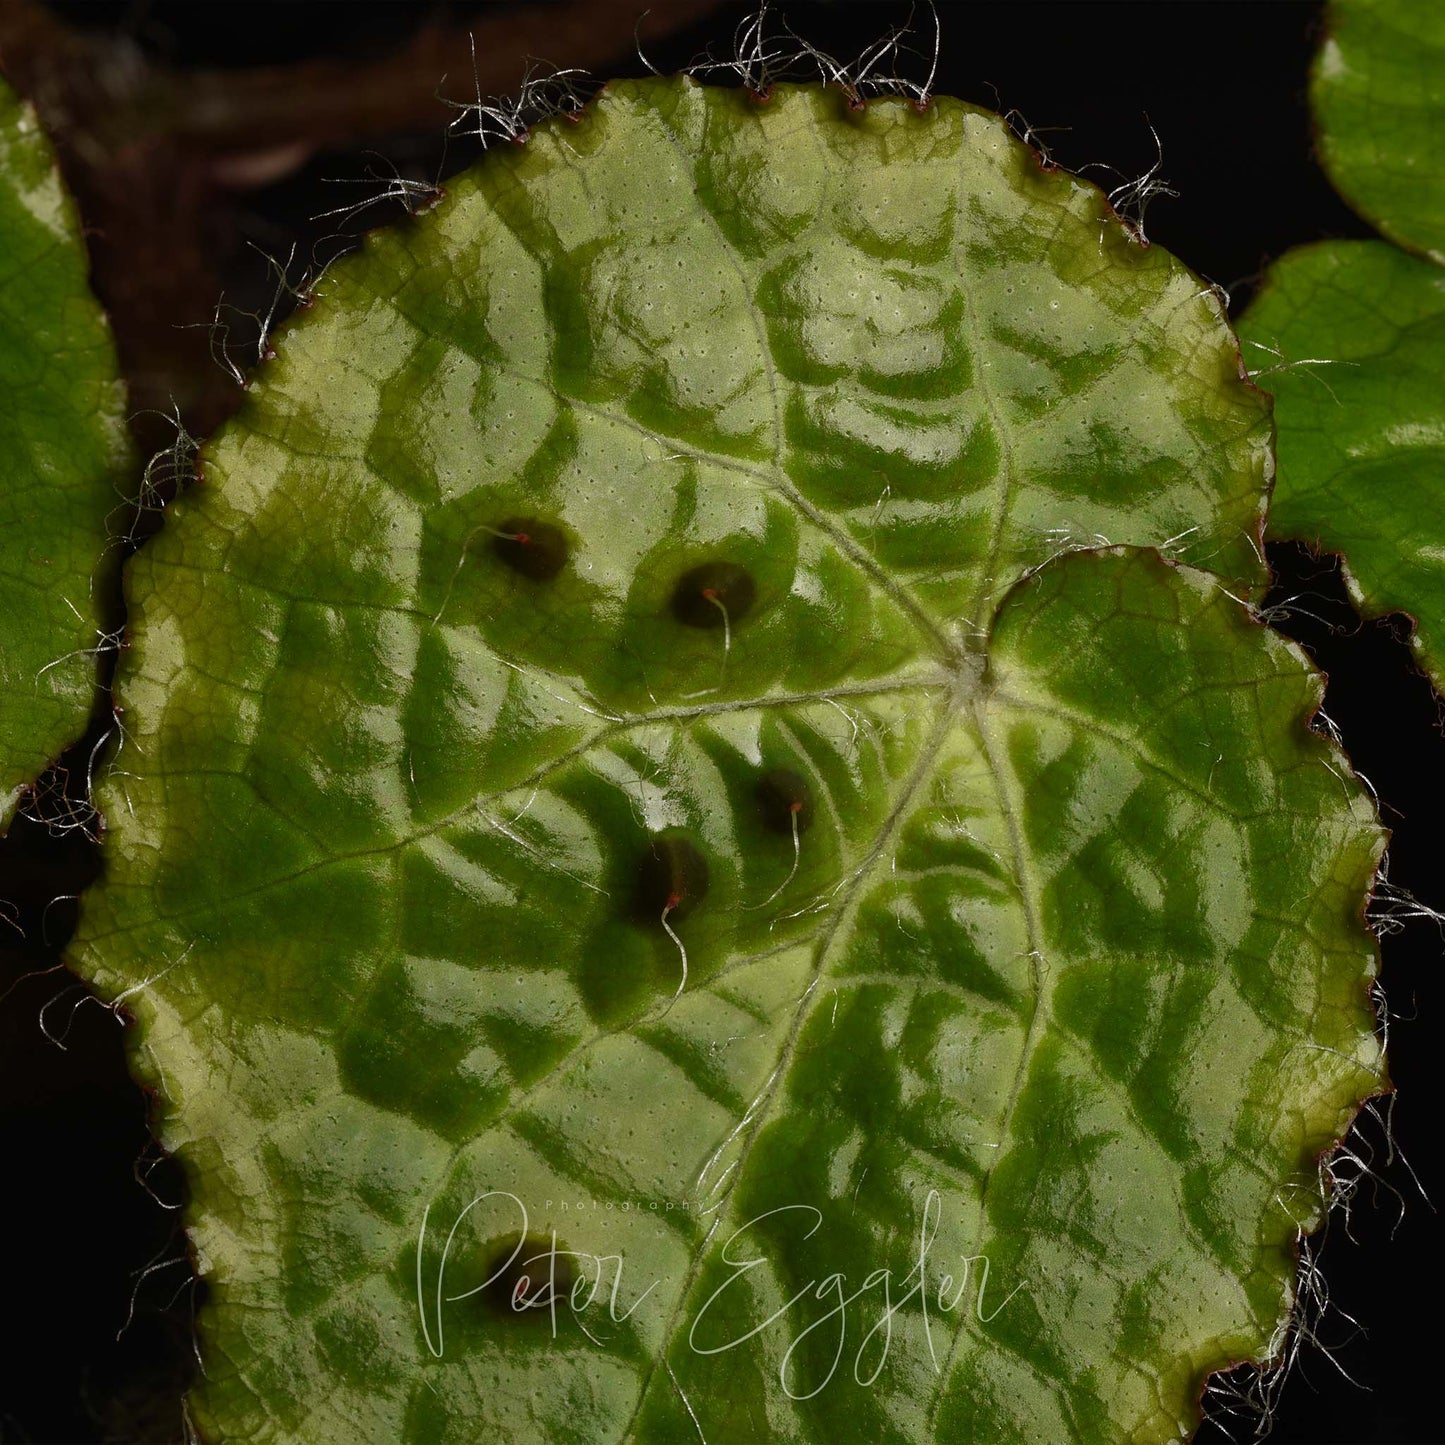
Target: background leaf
[63,458]
[1379,97]
[1362,429]
[426,829]
[1350,336]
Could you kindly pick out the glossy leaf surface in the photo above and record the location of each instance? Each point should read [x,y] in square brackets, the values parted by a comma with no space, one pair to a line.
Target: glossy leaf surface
[63,452]
[605,746]
[1379,97]
[1362,421]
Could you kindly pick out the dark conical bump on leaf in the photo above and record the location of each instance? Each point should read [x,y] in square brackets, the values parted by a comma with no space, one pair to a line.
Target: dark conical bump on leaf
[537,550]
[713,595]
[784,801]
[526,1277]
[672,877]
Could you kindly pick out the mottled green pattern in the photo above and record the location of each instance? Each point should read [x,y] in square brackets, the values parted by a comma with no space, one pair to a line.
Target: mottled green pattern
[1032,905]
[62,456]
[1362,437]
[1379,96]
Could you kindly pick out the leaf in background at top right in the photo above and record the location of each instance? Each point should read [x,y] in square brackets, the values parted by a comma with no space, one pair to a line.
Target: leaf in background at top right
[1350,336]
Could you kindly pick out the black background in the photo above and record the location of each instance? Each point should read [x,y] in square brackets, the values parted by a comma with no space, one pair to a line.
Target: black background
[1223,85]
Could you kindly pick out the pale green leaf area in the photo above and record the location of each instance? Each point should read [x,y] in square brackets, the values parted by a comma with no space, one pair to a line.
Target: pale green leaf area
[1378,92]
[675,708]
[1362,437]
[63,452]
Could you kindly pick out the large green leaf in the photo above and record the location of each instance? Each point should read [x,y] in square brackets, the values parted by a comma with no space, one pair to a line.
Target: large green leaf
[641,721]
[1361,413]
[1379,97]
[63,452]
